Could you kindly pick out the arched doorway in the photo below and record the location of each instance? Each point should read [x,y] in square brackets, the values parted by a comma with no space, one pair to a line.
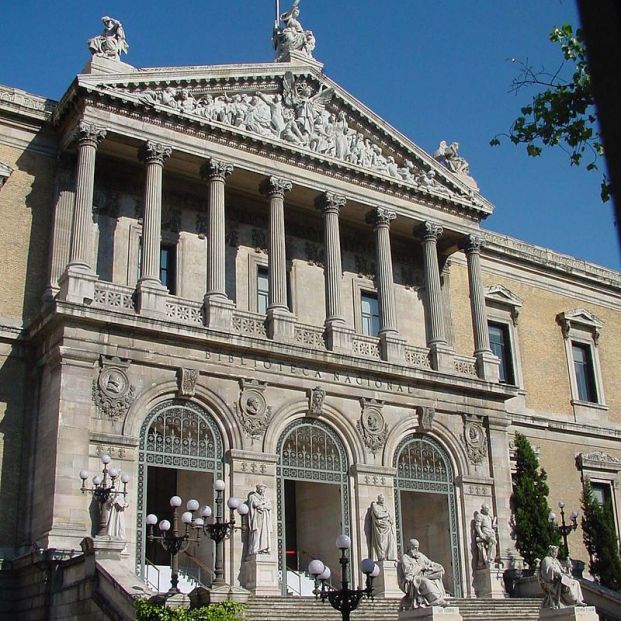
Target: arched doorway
[313,497]
[425,504]
[180,453]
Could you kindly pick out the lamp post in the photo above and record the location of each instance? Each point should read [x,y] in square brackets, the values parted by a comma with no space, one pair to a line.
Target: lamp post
[564,529]
[345,600]
[104,490]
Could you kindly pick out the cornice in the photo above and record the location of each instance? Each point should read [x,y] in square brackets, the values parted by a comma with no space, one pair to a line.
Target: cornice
[24,103]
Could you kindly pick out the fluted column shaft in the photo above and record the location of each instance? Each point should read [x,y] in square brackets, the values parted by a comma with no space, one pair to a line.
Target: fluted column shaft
[153,155]
[429,233]
[89,137]
[216,172]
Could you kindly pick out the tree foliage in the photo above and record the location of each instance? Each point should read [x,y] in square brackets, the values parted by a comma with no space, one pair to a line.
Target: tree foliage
[226,611]
[531,528]
[562,112]
[600,539]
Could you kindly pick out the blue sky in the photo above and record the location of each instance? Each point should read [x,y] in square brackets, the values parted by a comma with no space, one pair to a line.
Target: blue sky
[434,70]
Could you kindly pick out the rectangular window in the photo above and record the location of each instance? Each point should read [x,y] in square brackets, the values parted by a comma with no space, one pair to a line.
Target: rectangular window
[262,289]
[369,310]
[500,343]
[601,493]
[168,267]
[585,372]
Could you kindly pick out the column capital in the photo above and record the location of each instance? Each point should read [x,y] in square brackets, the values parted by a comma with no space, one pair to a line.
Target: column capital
[275,186]
[471,244]
[152,151]
[329,202]
[429,231]
[381,217]
[216,170]
[89,134]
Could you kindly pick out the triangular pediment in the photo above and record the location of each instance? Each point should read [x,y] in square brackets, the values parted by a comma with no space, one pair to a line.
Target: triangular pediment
[502,295]
[583,317]
[295,108]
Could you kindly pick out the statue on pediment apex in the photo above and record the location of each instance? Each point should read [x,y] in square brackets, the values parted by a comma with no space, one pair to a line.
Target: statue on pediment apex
[111,42]
[292,37]
[447,155]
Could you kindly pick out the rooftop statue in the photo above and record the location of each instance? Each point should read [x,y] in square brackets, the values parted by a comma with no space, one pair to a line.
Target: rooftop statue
[111,42]
[292,37]
[447,156]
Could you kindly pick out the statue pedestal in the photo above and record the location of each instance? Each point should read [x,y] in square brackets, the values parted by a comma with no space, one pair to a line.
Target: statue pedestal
[202,596]
[386,585]
[574,613]
[450,613]
[108,547]
[260,574]
[489,583]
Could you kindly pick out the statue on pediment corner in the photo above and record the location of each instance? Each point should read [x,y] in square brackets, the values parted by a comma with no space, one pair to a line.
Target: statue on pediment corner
[292,37]
[111,42]
[449,157]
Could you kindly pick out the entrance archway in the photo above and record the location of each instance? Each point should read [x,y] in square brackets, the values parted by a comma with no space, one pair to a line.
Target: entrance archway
[425,504]
[313,497]
[180,452]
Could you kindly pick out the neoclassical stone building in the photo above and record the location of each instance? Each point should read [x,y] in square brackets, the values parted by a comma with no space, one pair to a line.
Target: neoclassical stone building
[253,277]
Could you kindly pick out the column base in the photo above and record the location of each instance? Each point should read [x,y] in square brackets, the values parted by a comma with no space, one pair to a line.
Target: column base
[392,347]
[489,583]
[260,575]
[386,585]
[574,613]
[77,285]
[151,299]
[281,325]
[442,358]
[218,313]
[339,337]
[488,366]
[450,613]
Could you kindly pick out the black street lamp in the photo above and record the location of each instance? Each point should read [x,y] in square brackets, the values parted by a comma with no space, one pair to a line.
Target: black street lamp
[345,600]
[564,529]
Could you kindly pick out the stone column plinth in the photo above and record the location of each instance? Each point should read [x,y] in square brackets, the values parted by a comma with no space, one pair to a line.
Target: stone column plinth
[218,307]
[260,574]
[386,585]
[151,293]
[575,613]
[78,282]
[431,613]
[338,334]
[280,320]
[489,583]
[487,363]
[441,354]
[391,343]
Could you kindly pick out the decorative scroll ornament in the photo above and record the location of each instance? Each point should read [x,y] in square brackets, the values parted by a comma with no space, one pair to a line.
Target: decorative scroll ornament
[475,439]
[112,392]
[371,424]
[316,397]
[186,382]
[252,409]
[425,417]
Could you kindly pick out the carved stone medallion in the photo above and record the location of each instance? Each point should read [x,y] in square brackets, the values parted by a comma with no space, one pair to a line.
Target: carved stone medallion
[371,425]
[112,392]
[316,397]
[425,417]
[252,409]
[186,382]
[475,439]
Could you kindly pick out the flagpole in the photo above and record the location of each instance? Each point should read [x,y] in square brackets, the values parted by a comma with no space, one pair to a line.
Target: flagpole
[277,19]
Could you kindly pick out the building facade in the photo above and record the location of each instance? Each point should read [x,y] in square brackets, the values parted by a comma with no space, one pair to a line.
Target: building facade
[252,277]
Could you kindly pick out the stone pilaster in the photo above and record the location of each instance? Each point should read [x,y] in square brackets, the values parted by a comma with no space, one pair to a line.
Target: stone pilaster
[441,354]
[151,293]
[487,363]
[218,307]
[280,321]
[392,344]
[339,336]
[78,282]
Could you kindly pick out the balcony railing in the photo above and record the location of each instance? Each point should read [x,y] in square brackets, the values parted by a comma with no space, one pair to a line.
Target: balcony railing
[366,347]
[249,324]
[114,297]
[465,365]
[417,357]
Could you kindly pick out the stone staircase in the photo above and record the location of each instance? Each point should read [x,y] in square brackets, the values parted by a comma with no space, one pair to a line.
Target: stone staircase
[308,609]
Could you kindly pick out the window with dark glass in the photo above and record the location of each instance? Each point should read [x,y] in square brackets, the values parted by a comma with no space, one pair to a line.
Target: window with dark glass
[262,289]
[500,343]
[602,493]
[584,371]
[168,268]
[370,314]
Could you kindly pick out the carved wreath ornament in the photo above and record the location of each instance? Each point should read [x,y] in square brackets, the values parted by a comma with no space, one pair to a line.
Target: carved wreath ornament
[112,392]
[371,425]
[252,409]
[475,439]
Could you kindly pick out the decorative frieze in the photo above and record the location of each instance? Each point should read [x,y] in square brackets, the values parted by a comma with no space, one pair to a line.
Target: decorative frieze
[598,460]
[112,392]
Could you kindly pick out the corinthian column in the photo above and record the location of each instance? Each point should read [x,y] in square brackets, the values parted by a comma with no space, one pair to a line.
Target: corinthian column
[78,282]
[337,334]
[280,321]
[151,292]
[487,363]
[392,345]
[218,308]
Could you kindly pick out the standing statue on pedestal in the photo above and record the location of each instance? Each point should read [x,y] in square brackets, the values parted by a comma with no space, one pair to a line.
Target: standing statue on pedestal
[259,522]
[292,37]
[111,42]
[485,537]
[420,579]
[383,545]
[115,523]
[560,589]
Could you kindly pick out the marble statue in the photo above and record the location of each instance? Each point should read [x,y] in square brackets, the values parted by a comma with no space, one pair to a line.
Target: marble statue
[485,537]
[383,545]
[111,42]
[448,156]
[420,579]
[292,37]
[560,589]
[259,521]
[115,524]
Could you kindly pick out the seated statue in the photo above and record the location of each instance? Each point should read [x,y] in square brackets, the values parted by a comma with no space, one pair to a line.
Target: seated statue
[559,588]
[448,156]
[111,42]
[420,579]
[292,37]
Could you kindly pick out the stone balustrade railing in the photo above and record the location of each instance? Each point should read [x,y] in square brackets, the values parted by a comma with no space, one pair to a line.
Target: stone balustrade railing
[465,365]
[187,312]
[310,336]
[417,357]
[366,347]
[249,324]
[114,297]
